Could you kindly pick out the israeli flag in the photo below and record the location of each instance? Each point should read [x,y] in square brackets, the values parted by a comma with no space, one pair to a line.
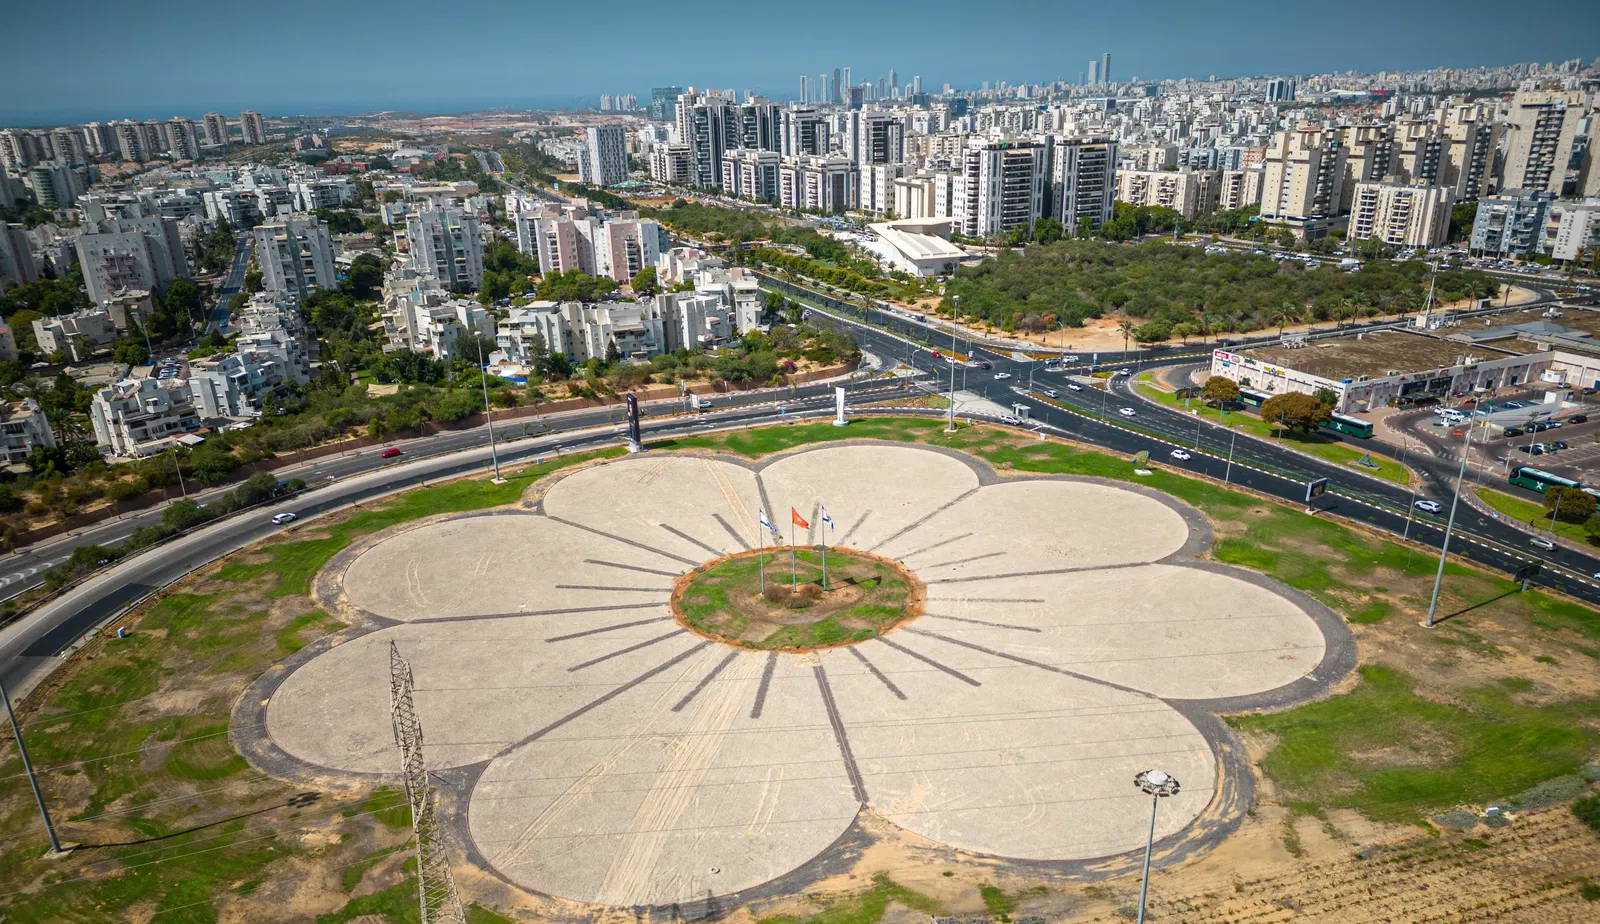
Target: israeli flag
[768,523]
[827,519]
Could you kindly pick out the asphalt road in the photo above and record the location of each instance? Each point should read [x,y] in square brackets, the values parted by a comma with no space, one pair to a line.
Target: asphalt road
[235,281]
[1258,464]
[32,644]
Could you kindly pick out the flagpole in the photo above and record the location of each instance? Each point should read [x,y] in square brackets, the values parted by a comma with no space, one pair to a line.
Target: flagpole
[761,556]
[794,573]
[824,536]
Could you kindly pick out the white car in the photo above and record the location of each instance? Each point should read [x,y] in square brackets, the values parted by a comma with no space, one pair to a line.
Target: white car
[1001,375]
[1074,386]
[1049,392]
[1007,418]
[1126,412]
[1069,359]
[1182,455]
[282,518]
[1124,371]
[1428,506]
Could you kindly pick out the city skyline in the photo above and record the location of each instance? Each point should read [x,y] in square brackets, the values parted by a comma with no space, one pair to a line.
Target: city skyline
[105,83]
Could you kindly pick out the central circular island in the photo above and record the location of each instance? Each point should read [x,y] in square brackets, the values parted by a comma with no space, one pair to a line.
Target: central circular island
[797,599]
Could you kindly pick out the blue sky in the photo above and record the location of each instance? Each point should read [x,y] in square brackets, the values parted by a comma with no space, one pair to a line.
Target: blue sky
[108,60]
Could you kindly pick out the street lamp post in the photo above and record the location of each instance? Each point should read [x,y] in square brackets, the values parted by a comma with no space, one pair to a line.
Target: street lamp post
[1158,785]
[1227,477]
[27,766]
[1444,547]
[955,303]
[483,373]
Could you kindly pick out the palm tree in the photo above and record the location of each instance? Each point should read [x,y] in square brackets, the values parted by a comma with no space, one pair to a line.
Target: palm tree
[1126,330]
[1283,316]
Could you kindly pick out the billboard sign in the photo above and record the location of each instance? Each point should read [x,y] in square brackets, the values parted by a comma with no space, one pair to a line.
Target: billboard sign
[1316,489]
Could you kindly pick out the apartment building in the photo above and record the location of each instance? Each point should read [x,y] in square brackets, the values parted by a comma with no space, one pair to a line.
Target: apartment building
[1240,188]
[1303,182]
[1542,126]
[1368,150]
[236,384]
[817,184]
[252,127]
[131,142]
[1572,229]
[23,427]
[1471,138]
[603,161]
[119,254]
[444,243]
[628,246]
[17,266]
[1082,182]
[182,138]
[581,332]
[295,256]
[216,129]
[1002,187]
[672,164]
[875,189]
[1189,192]
[874,138]
[1418,152]
[1511,223]
[79,335]
[141,417]
[750,173]
[1401,214]
[805,131]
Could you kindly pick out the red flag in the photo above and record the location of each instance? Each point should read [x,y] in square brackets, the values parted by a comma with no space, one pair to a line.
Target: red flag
[798,520]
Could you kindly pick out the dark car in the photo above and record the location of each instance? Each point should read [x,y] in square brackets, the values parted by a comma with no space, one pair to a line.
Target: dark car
[1538,427]
[1513,431]
[1578,419]
[1554,445]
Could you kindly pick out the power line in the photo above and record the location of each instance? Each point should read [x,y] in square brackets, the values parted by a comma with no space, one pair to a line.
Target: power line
[436,887]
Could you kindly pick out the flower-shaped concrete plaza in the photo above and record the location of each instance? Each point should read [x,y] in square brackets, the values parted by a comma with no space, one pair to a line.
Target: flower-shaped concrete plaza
[610,755]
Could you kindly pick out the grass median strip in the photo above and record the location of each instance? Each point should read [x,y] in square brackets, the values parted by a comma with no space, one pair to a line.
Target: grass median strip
[1323,447]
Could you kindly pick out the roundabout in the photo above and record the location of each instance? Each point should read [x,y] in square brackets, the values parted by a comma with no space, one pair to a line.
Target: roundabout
[628,717]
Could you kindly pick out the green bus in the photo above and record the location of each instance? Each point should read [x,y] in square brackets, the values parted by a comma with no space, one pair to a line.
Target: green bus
[1526,476]
[1348,425]
[1251,398]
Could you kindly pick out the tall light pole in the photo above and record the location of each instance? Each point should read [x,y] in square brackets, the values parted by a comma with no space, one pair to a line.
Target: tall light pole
[955,304]
[1444,547]
[1233,437]
[27,766]
[483,377]
[1158,785]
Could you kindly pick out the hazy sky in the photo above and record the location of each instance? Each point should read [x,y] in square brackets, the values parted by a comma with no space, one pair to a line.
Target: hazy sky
[105,59]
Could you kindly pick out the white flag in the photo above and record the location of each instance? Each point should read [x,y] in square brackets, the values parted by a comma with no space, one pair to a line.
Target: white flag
[768,523]
[827,519]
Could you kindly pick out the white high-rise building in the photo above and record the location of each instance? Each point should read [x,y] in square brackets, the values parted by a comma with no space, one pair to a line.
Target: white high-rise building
[1401,215]
[252,127]
[296,256]
[444,243]
[1083,182]
[817,184]
[751,174]
[121,254]
[1003,187]
[606,160]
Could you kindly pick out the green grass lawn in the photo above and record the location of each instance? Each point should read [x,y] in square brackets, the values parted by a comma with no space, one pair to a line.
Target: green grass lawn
[1391,754]
[1524,509]
[1322,447]
[725,599]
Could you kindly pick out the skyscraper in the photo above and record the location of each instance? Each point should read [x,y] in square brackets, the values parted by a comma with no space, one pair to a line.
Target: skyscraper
[846,85]
[824,93]
[1094,72]
[1105,68]
[606,163]
[805,95]
[834,93]
[664,102]
[216,128]
[916,85]
[894,83]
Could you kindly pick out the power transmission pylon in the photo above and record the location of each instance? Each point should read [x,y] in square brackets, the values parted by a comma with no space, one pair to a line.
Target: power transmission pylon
[436,888]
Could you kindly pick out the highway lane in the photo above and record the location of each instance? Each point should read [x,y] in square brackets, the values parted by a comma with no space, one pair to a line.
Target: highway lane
[25,568]
[30,646]
[1260,464]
